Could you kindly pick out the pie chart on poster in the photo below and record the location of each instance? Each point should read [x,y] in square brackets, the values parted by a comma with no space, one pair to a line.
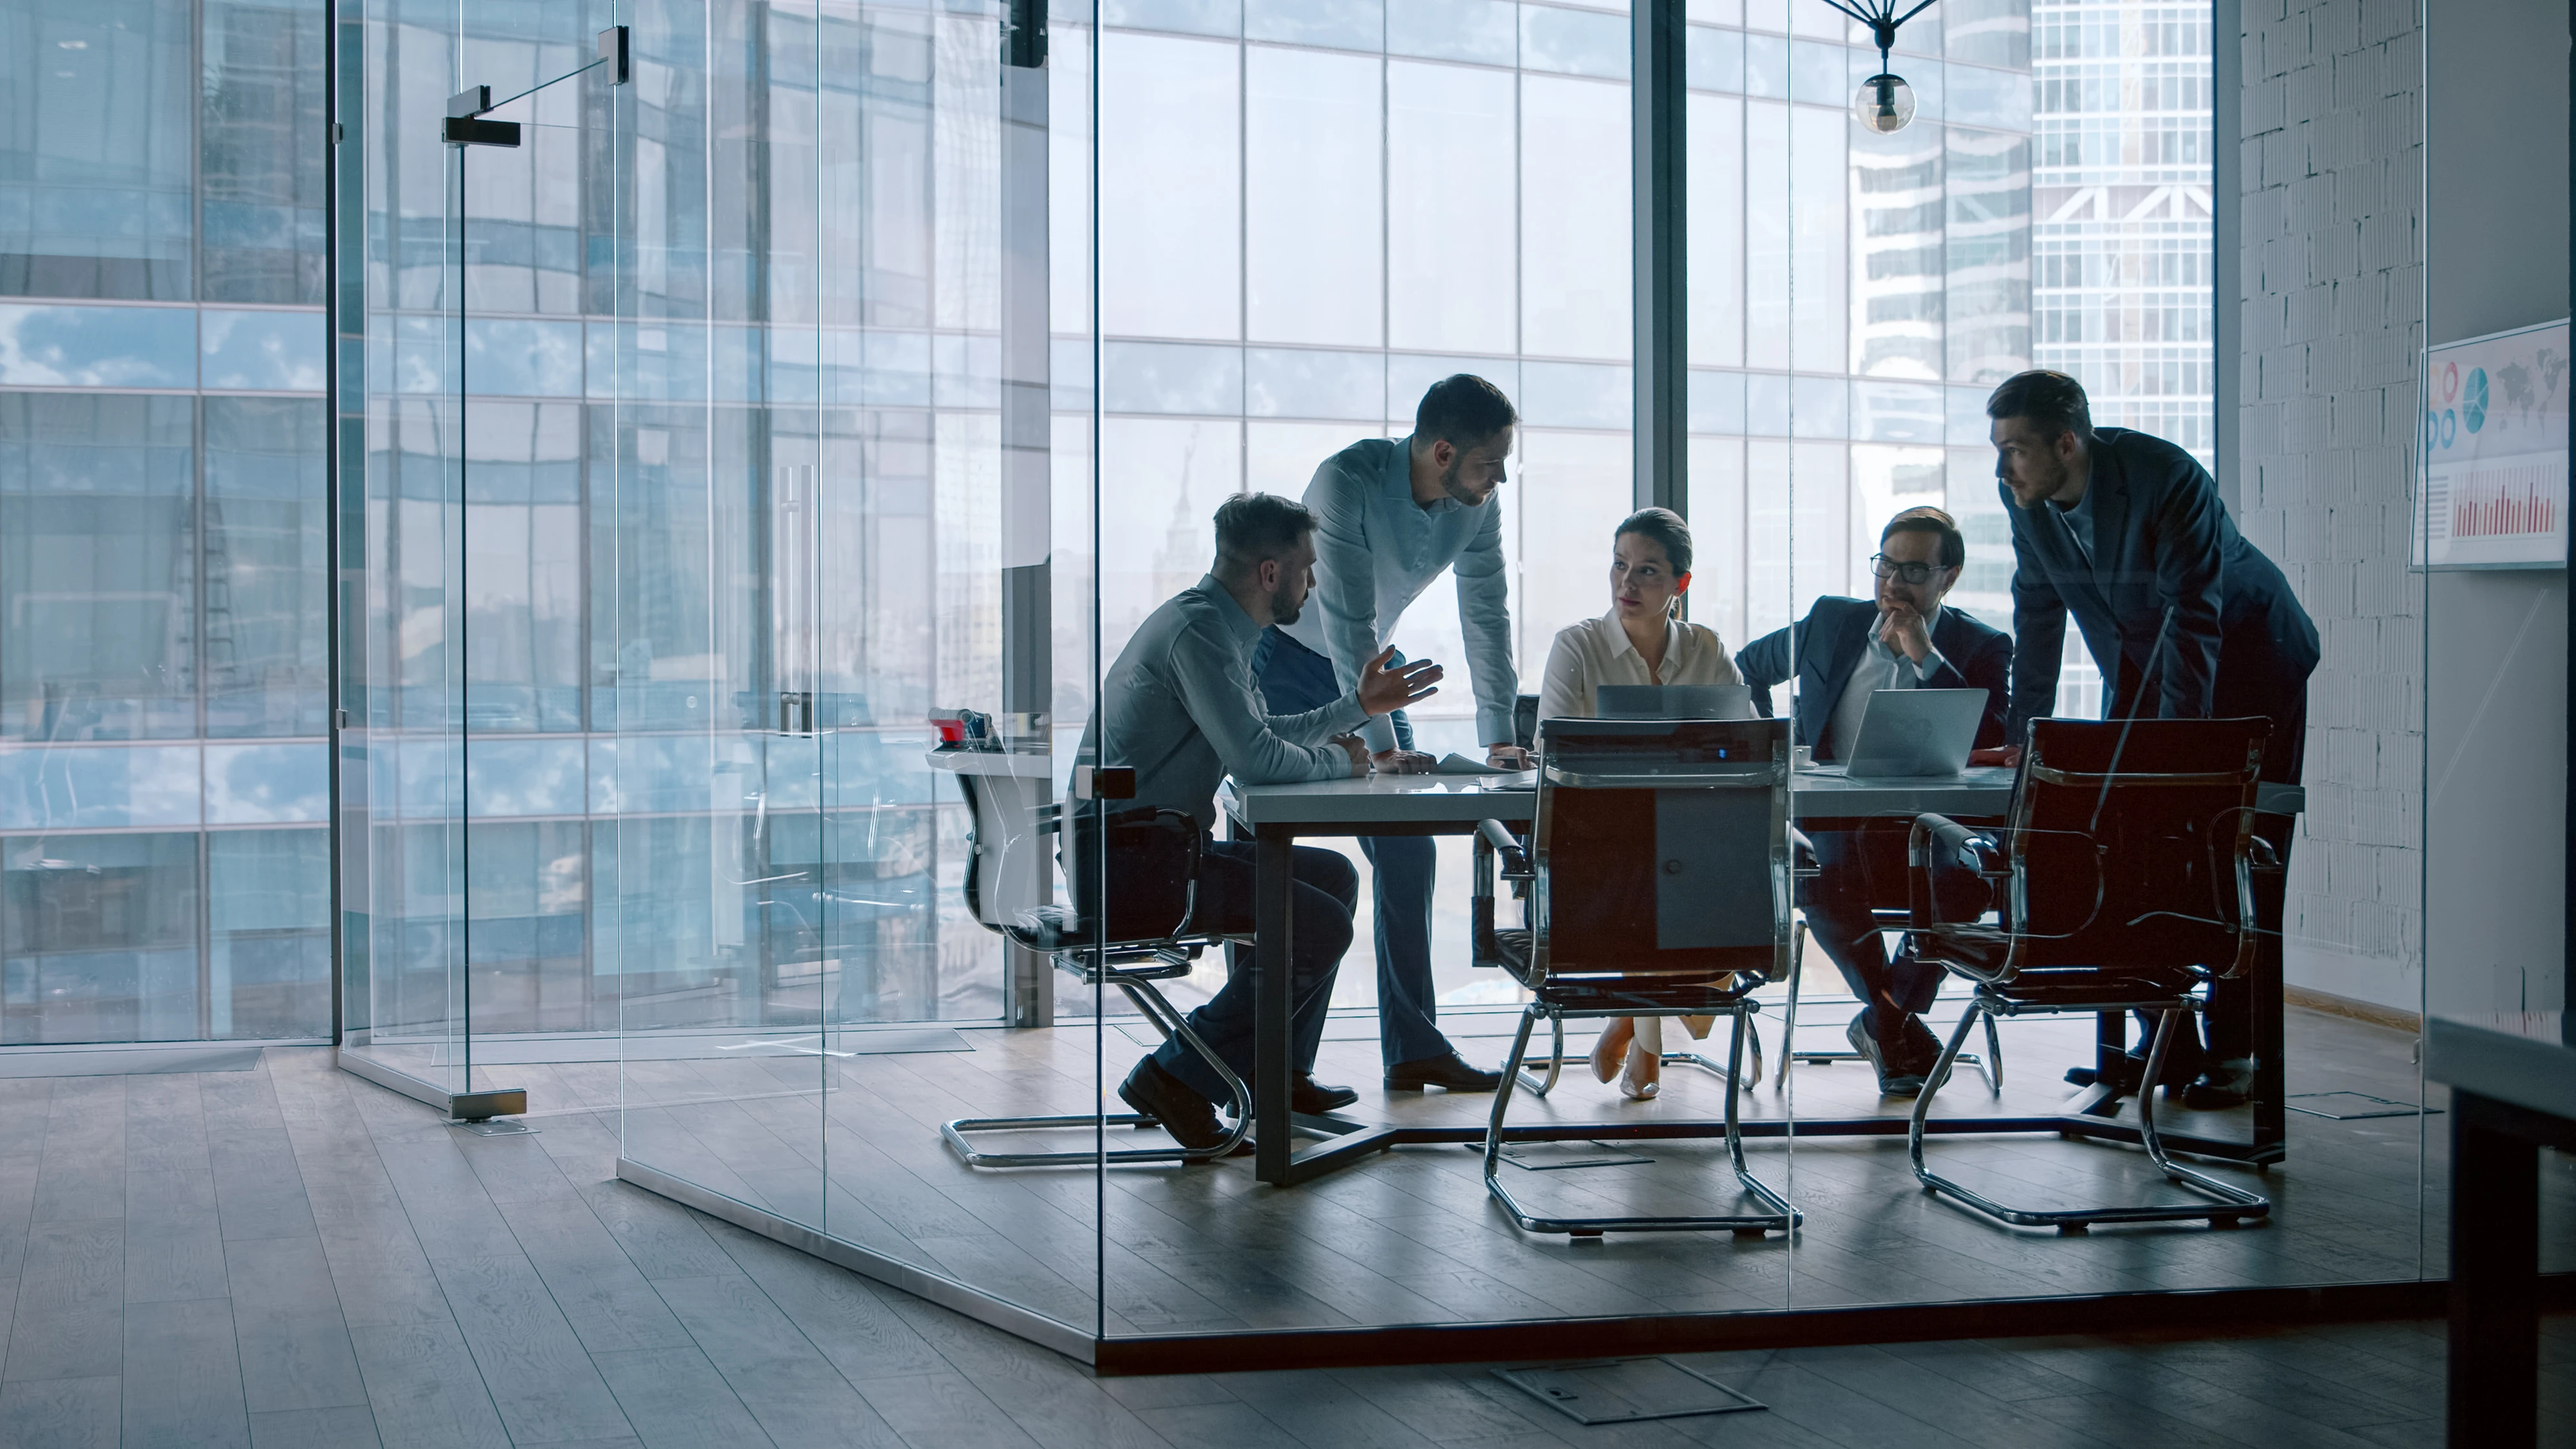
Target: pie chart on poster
[2473,400]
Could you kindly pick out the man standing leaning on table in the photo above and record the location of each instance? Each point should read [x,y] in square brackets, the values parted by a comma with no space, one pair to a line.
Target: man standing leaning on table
[2185,618]
[1179,708]
[1390,516]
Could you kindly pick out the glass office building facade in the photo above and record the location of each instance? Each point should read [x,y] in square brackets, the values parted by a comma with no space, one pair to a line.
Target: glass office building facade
[164,662]
[537,477]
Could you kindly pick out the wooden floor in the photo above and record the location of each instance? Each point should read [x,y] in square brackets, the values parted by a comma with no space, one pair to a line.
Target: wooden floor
[1410,1237]
[289,1256]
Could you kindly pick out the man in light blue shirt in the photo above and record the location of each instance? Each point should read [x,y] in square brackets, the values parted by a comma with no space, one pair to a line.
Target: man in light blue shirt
[1390,516]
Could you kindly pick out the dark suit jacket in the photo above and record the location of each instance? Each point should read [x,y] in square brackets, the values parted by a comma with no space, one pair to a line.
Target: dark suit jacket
[2163,548]
[1830,640]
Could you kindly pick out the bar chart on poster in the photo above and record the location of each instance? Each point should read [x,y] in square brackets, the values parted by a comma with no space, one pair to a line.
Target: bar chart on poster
[2495,452]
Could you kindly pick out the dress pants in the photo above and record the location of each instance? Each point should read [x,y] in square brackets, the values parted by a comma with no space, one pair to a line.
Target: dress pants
[1295,679]
[1856,867]
[1320,905]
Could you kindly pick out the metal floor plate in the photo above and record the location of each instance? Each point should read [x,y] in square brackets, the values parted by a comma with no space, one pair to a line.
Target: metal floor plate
[1626,1390]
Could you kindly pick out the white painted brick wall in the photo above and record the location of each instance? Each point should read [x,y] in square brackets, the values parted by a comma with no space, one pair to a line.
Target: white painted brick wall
[2332,320]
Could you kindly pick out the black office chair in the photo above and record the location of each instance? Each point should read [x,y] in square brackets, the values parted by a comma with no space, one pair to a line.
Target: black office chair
[1659,872]
[2127,875]
[1149,938]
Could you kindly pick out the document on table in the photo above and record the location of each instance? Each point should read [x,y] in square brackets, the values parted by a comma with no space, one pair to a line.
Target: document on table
[1458,764]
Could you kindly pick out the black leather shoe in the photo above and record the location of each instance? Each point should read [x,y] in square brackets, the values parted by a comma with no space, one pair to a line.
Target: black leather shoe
[1310,1096]
[2128,1070]
[1167,1099]
[1444,1071]
[1893,1080]
[2226,1084]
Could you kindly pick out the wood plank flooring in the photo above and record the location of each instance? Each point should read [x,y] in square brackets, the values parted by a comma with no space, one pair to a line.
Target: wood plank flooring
[291,1257]
[850,1144]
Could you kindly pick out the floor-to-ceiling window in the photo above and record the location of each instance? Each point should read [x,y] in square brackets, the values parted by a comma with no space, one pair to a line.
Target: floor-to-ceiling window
[2121,208]
[164,867]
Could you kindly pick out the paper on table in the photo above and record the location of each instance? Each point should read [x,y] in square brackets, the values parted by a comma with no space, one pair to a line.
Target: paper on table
[1458,764]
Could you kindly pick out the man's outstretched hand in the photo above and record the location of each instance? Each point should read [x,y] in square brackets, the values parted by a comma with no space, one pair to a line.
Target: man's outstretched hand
[1403,762]
[2003,755]
[1384,690]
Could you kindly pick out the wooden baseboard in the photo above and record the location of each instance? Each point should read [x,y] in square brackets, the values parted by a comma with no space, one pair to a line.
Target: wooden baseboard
[2344,1006]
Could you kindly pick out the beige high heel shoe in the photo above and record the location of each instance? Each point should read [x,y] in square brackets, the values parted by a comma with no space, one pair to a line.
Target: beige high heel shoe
[1645,1071]
[1643,1077]
[1612,1047]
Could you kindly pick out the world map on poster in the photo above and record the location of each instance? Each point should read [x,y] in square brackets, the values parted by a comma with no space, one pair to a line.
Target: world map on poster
[2495,452]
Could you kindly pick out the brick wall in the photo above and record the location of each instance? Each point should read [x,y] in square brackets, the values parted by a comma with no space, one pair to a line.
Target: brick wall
[2333,248]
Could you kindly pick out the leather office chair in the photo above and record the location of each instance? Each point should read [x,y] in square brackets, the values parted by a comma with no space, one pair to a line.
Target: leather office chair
[1659,874]
[1525,734]
[1149,938]
[2127,878]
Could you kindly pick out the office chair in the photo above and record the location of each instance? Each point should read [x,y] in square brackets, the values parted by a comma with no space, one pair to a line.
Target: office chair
[2127,870]
[1659,885]
[1148,938]
[1525,734]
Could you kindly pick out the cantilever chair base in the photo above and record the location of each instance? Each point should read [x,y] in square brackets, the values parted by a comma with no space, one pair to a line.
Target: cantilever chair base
[1780,1218]
[1168,1020]
[2229,1205]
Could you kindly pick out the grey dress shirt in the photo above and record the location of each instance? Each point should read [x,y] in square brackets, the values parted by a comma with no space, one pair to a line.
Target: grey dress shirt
[1183,712]
[1376,550]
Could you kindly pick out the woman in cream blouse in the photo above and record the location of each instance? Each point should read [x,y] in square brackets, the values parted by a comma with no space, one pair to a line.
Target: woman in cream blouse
[1638,642]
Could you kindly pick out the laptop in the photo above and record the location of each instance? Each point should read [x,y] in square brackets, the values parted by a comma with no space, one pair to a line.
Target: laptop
[1675,701]
[1916,732]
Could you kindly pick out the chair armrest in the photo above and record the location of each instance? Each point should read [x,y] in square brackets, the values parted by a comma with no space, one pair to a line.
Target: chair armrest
[1934,838]
[1516,861]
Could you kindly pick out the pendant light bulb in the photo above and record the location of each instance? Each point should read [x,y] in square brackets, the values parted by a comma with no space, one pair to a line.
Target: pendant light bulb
[1885,103]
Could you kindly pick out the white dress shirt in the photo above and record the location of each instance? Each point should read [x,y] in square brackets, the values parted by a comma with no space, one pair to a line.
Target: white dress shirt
[1596,652]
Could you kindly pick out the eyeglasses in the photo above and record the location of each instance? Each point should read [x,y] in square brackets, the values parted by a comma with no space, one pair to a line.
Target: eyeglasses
[1912,573]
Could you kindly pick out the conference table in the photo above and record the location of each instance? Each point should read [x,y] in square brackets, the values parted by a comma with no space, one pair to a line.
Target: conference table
[1275,817]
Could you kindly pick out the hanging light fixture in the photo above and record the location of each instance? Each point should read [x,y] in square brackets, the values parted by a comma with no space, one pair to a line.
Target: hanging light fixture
[1884,103]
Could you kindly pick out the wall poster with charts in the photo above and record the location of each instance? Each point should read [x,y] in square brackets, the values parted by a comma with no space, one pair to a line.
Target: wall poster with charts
[2495,452]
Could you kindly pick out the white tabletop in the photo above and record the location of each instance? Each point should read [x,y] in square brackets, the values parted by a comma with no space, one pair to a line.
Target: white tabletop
[1465,799]
[1023,765]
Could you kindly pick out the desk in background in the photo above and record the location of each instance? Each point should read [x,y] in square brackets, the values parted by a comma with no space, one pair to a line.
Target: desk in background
[2513,1091]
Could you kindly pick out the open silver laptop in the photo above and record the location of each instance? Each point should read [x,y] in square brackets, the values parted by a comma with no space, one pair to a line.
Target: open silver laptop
[1674,701]
[1915,732]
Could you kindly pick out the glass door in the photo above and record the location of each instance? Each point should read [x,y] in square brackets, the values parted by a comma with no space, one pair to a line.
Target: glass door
[466,753]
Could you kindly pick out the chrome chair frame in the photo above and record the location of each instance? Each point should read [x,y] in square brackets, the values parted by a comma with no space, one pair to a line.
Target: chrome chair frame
[2229,1204]
[1721,993]
[1131,966]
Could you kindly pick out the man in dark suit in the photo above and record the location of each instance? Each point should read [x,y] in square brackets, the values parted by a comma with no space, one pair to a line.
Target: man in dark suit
[1846,650]
[2184,617]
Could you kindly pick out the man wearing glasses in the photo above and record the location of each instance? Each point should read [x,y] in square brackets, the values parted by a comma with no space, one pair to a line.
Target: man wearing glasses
[1846,651]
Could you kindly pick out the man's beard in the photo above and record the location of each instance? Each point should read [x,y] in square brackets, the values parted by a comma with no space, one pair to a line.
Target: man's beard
[1283,613]
[1449,483]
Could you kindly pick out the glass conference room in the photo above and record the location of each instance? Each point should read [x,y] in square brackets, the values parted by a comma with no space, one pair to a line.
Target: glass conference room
[732,389]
